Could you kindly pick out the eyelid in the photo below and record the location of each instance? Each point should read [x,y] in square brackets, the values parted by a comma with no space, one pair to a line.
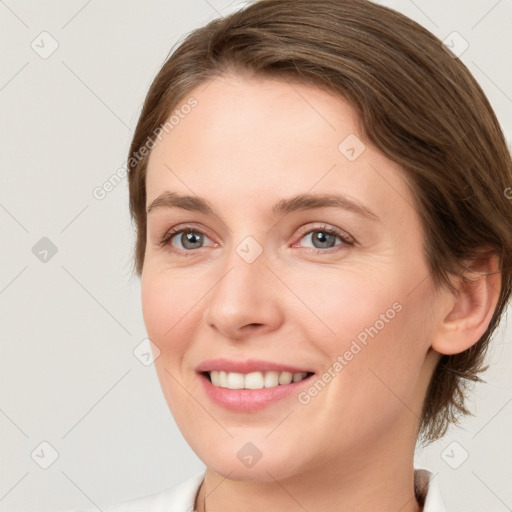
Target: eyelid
[180,228]
[346,239]
[343,235]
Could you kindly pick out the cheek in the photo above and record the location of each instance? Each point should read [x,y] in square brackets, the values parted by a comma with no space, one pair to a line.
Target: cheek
[168,312]
[381,362]
[167,301]
[375,340]
[341,305]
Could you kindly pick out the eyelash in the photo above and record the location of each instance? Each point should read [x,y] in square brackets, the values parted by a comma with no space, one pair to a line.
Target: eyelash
[167,238]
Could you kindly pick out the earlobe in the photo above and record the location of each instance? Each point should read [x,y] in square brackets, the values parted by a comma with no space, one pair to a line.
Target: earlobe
[471,309]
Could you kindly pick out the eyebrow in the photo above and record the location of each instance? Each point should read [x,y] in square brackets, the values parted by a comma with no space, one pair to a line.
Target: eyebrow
[284,206]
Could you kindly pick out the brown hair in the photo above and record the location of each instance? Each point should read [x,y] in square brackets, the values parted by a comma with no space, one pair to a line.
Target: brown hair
[418,104]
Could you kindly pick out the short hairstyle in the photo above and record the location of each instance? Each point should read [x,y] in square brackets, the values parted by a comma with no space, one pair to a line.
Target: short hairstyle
[416,102]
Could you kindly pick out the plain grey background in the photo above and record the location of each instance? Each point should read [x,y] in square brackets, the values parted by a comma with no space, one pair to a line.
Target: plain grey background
[73,77]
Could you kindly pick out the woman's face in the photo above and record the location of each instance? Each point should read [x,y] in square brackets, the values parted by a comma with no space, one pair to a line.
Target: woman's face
[301,253]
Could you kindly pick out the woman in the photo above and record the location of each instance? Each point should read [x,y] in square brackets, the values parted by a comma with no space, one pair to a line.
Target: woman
[324,248]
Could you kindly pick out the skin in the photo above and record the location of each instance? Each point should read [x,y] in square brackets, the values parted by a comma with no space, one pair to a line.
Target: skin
[249,143]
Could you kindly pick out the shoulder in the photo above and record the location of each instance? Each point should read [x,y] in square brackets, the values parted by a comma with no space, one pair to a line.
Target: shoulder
[428,491]
[180,498]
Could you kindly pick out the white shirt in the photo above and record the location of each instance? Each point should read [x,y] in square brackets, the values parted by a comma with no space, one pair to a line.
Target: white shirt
[182,497]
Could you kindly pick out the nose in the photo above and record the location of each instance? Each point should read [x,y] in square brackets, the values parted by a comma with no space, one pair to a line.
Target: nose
[245,301]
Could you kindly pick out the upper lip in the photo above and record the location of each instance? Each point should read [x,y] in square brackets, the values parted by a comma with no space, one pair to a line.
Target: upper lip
[247,366]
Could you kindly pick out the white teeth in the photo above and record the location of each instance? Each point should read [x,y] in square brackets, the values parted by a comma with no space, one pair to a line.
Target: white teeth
[235,381]
[297,377]
[223,379]
[271,379]
[214,376]
[254,380]
[285,378]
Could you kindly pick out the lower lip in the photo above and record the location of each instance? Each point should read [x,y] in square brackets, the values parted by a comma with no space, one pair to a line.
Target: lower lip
[249,400]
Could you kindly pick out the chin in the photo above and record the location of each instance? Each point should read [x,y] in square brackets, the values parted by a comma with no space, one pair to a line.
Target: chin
[245,461]
[262,471]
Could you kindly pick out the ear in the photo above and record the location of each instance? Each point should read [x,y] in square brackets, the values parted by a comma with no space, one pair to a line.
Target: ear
[469,311]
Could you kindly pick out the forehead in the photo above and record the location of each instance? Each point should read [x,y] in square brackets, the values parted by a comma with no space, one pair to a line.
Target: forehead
[255,116]
[248,135]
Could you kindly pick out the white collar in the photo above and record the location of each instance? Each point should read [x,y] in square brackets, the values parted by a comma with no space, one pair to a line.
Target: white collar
[182,497]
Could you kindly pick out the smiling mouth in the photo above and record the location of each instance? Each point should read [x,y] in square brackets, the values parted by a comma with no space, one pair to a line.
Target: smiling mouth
[254,380]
